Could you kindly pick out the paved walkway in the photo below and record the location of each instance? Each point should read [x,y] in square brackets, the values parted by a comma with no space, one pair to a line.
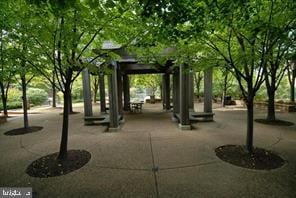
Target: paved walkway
[151,157]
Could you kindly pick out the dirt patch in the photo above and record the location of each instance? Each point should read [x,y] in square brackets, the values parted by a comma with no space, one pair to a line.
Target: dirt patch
[50,166]
[260,159]
[22,131]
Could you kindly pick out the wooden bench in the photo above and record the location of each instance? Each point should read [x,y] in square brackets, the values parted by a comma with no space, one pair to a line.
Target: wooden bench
[195,116]
[100,119]
[136,107]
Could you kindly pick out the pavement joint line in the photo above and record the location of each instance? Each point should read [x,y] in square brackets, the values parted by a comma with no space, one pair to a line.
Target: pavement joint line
[279,139]
[23,147]
[154,167]
[275,143]
[191,165]
[128,169]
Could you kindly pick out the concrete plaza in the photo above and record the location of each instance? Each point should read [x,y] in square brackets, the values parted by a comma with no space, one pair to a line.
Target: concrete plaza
[150,156]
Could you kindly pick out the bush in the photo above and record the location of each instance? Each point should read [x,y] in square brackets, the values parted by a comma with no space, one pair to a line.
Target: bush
[77,93]
[14,95]
[36,96]
[12,105]
[14,99]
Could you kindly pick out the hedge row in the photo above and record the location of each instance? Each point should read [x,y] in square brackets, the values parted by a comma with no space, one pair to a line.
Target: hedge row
[34,95]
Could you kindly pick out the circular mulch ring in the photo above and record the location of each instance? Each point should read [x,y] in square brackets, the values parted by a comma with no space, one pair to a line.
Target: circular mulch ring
[50,166]
[274,122]
[22,131]
[260,159]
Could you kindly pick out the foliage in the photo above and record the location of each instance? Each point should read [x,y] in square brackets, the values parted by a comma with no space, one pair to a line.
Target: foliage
[12,105]
[14,94]
[77,90]
[37,96]
[148,81]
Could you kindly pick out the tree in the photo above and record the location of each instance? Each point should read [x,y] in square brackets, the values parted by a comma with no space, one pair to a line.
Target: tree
[7,69]
[241,33]
[150,81]
[282,25]
[274,73]
[64,33]
[226,84]
[247,36]
[23,72]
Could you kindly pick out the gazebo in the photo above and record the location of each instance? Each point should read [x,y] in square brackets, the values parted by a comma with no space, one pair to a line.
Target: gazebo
[119,90]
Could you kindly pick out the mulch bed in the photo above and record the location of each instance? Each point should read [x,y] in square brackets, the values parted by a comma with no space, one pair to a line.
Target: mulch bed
[274,122]
[260,159]
[22,131]
[50,166]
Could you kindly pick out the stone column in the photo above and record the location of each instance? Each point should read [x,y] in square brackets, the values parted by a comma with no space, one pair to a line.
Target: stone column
[126,92]
[191,91]
[163,92]
[184,123]
[102,93]
[86,93]
[208,89]
[176,94]
[113,98]
[167,92]
[120,89]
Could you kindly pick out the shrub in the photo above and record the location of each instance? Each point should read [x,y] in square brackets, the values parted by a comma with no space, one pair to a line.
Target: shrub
[36,96]
[14,95]
[77,93]
[12,105]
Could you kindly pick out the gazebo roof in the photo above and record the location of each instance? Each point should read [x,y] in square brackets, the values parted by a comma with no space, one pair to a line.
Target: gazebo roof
[129,64]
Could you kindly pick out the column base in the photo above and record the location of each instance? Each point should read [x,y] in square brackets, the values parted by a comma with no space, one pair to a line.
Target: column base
[174,119]
[208,119]
[122,121]
[184,127]
[113,129]
[87,123]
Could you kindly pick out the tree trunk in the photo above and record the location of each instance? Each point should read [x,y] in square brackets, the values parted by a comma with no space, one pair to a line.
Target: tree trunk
[250,125]
[96,88]
[198,79]
[4,100]
[25,102]
[271,108]
[161,93]
[224,94]
[292,76]
[54,100]
[70,103]
[95,96]
[54,93]
[270,86]
[292,89]
[64,141]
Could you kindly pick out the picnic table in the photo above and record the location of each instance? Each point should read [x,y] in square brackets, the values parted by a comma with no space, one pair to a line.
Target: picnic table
[136,107]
